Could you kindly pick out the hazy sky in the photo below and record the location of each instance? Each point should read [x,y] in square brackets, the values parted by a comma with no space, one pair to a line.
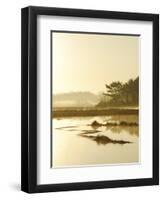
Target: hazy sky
[86,62]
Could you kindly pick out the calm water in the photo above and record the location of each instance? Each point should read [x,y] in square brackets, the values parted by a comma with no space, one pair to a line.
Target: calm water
[76,143]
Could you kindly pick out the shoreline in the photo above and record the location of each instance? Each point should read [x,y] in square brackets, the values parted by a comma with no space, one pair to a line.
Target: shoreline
[93,112]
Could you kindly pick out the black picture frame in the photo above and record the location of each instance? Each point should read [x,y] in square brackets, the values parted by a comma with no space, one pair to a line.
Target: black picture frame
[29,99]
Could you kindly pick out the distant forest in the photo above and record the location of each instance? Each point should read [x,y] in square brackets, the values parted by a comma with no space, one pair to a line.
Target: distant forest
[121,94]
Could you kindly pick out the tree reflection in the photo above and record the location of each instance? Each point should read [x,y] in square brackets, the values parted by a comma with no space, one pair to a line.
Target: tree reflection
[120,129]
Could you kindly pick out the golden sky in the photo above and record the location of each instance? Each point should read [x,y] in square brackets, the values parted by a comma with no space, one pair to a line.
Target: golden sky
[86,62]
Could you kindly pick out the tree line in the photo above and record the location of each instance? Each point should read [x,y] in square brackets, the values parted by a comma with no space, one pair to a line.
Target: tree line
[121,94]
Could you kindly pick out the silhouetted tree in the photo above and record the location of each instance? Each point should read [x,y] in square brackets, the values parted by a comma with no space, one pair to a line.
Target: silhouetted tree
[120,94]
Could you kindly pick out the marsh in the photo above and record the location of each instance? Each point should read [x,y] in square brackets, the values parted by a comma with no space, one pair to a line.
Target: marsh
[76,142]
[95,99]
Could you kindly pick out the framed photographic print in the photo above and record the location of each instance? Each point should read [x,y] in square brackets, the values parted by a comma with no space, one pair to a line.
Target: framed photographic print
[90,99]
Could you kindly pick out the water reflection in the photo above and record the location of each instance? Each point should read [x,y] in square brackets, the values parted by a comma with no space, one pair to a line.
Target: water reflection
[132,130]
[102,139]
[76,142]
[119,129]
[65,127]
[90,131]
